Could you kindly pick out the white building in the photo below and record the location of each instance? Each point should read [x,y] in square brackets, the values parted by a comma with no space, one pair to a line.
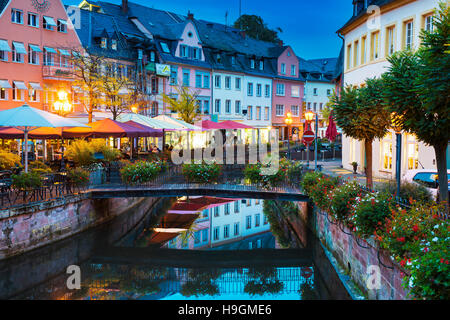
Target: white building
[369,40]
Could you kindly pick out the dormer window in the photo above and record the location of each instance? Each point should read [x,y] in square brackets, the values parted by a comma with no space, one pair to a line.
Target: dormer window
[190,34]
[252,63]
[283,68]
[233,60]
[104,43]
[114,44]
[261,65]
[196,53]
[152,56]
[293,70]
[183,51]
[218,58]
[165,47]
[288,53]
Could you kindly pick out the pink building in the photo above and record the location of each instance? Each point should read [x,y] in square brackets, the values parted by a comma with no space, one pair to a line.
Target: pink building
[287,95]
[36,41]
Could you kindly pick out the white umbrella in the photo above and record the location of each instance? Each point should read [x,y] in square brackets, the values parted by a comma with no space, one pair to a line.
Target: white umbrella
[26,118]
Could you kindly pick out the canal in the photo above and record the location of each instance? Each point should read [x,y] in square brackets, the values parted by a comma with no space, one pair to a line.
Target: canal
[183,248]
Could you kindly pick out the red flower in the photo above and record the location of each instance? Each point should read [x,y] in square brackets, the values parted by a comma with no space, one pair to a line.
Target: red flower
[403,262]
[415,228]
[401,239]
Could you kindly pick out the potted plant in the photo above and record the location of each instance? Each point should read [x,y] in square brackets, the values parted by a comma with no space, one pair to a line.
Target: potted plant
[355,166]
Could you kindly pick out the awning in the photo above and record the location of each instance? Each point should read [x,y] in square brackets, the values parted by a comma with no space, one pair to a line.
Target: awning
[50,21]
[20,85]
[64,52]
[5,84]
[4,46]
[35,48]
[49,49]
[20,48]
[64,22]
[35,86]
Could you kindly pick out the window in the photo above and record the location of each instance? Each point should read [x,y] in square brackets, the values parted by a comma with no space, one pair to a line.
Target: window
[257,220]
[295,91]
[33,20]
[386,149]
[206,107]
[206,81]
[17,90]
[356,53]
[390,40]
[198,80]
[236,207]
[280,89]
[226,231]
[155,85]
[228,106]
[217,106]
[216,233]
[48,23]
[218,58]
[248,222]
[321,106]
[114,47]
[309,105]
[216,212]
[236,228]
[315,91]
[408,34]
[267,91]
[252,63]
[4,49]
[164,47]
[375,46]
[217,81]
[17,16]
[283,68]
[103,43]
[152,54]
[237,107]
[196,53]
[33,55]
[293,68]
[233,60]
[413,152]
[258,90]
[266,221]
[250,89]
[173,75]
[258,113]
[228,83]
[261,65]
[279,110]
[250,113]
[349,56]
[294,110]
[62,27]
[197,237]
[266,113]
[205,235]
[428,23]
[18,52]
[186,75]
[328,92]
[238,84]
[3,94]
[183,51]
[364,50]
[48,58]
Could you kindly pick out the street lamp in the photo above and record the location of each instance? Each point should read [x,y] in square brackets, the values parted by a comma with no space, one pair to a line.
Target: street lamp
[62,107]
[288,122]
[309,116]
[398,160]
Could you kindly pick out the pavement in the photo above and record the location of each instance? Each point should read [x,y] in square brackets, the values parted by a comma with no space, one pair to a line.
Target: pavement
[334,168]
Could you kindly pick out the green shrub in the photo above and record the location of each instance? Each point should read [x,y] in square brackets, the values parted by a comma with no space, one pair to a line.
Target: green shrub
[252,172]
[142,171]
[408,191]
[109,153]
[39,167]
[26,181]
[8,160]
[202,173]
[80,152]
[309,180]
[343,198]
[371,213]
[321,192]
[78,177]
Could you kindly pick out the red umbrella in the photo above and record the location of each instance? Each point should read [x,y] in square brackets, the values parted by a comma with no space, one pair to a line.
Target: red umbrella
[234,125]
[210,125]
[107,128]
[331,133]
[152,132]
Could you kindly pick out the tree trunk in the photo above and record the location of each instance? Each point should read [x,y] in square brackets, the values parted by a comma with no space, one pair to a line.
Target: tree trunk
[368,150]
[441,163]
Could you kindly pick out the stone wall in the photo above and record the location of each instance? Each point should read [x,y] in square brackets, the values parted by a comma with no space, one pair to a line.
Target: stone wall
[25,229]
[355,258]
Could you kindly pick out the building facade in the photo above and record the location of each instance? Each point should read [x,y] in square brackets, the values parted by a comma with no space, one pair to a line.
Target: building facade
[367,46]
[35,49]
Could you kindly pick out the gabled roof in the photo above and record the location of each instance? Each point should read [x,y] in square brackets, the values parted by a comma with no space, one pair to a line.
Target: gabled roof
[3,4]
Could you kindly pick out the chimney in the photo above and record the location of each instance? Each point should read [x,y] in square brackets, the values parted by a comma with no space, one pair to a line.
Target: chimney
[125,6]
[190,15]
[242,34]
[280,43]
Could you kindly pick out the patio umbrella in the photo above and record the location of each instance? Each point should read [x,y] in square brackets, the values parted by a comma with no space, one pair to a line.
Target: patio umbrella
[107,128]
[149,122]
[210,125]
[26,119]
[331,133]
[178,122]
[235,125]
[151,132]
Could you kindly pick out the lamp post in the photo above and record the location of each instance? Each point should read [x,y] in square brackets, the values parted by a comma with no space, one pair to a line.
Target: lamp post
[308,117]
[288,122]
[398,153]
[62,107]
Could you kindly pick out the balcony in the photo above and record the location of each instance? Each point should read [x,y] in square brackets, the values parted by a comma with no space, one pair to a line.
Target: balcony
[57,73]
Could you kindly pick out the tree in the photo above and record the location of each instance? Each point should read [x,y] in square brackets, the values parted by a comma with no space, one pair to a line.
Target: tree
[361,114]
[87,77]
[255,27]
[115,90]
[186,105]
[418,91]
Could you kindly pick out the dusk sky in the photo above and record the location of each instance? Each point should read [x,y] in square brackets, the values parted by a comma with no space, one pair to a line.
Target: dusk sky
[309,26]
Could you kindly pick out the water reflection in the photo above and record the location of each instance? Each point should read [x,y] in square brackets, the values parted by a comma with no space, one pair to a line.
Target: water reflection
[200,224]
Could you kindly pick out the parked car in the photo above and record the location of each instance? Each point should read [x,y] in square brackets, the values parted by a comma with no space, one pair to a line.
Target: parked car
[427,178]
